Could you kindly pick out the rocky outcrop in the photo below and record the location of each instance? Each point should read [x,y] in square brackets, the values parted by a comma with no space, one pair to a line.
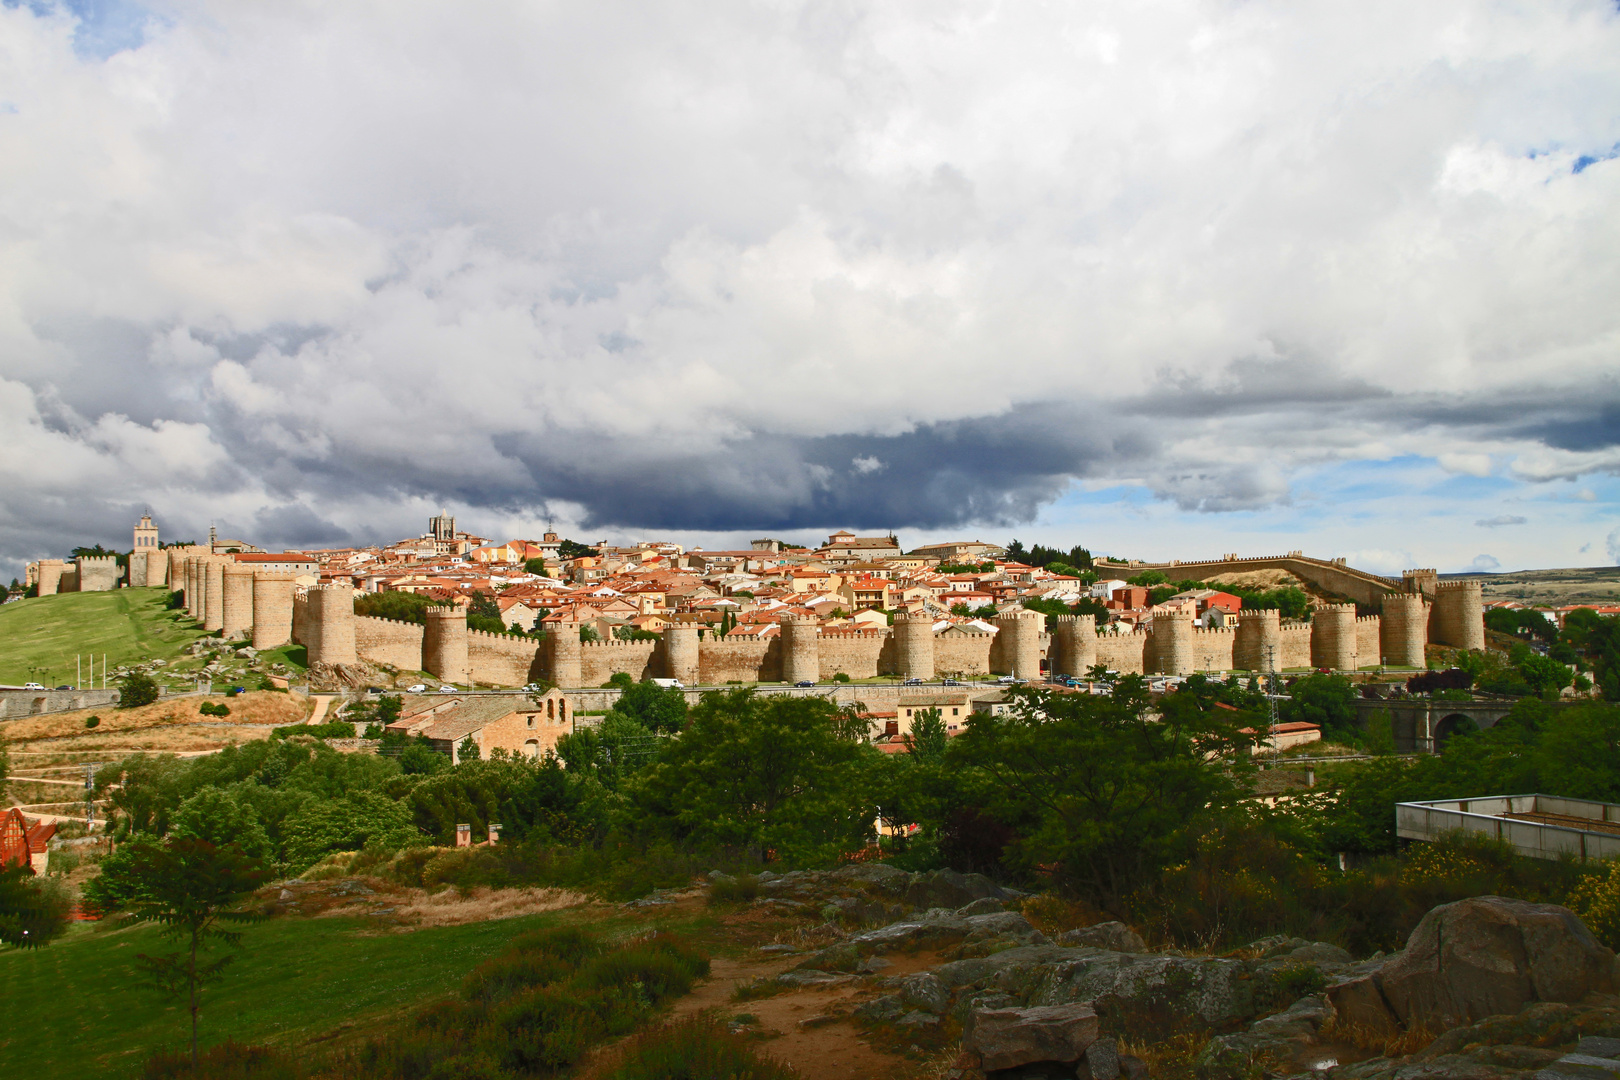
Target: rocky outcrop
[1490,955]
[1113,936]
[1008,1038]
[1485,956]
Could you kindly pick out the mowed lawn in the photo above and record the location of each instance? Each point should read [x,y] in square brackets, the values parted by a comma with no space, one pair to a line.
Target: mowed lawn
[77,1008]
[40,637]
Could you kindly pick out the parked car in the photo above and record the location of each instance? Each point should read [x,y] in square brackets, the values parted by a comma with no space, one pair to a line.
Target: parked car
[912,682]
[448,690]
[949,682]
[802,683]
[32,686]
[64,686]
[417,688]
[1005,680]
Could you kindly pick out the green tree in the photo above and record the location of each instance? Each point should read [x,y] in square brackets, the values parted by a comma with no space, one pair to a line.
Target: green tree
[536,566]
[195,891]
[349,823]
[588,634]
[653,707]
[1099,791]
[772,774]
[569,549]
[467,750]
[137,688]
[619,680]
[398,606]
[420,759]
[927,741]
[216,815]
[1324,700]
[33,911]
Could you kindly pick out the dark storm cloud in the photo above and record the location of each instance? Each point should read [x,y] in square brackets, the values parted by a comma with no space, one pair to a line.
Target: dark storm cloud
[999,469]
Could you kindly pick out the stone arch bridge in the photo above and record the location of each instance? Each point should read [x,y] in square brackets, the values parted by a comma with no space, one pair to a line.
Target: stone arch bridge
[1421,725]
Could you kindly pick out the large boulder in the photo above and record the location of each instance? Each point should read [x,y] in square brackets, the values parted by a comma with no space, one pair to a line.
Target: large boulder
[949,889]
[1491,955]
[1008,1038]
[1113,936]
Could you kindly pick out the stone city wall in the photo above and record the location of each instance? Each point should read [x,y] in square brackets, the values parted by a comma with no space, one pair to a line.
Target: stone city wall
[1369,641]
[752,660]
[854,652]
[386,641]
[601,660]
[963,653]
[1295,645]
[1211,649]
[504,660]
[1125,653]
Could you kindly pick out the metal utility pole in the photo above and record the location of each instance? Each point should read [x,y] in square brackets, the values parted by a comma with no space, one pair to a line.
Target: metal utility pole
[1271,692]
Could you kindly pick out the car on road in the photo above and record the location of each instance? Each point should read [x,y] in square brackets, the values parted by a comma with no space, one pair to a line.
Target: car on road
[416,688]
[949,682]
[802,683]
[32,686]
[669,684]
[64,686]
[912,682]
[448,690]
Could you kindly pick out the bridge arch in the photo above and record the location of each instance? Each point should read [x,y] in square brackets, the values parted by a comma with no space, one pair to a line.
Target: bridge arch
[1452,725]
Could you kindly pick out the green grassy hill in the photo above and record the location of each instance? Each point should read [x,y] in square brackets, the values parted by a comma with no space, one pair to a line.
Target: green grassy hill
[39,637]
[77,1008]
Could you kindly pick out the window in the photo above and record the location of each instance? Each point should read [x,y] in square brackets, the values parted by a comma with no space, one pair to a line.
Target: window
[530,719]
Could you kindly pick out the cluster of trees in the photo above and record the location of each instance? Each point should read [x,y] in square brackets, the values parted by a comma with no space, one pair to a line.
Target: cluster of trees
[1074,562]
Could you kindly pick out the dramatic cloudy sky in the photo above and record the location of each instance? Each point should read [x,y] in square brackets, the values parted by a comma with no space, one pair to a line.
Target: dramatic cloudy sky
[1166,277]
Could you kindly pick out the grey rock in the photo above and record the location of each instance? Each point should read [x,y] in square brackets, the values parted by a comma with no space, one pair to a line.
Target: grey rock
[925,991]
[873,873]
[1210,991]
[947,888]
[883,1010]
[811,977]
[1113,936]
[1491,955]
[903,933]
[1022,962]
[917,1018]
[1102,1059]
[1000,922]
[1598,1046]
[985,905]
[719,875]
[1319,953]
[777,949]
[1275,1038]
[765,875]
[1007,1038]
[1581,1067]
[872,965]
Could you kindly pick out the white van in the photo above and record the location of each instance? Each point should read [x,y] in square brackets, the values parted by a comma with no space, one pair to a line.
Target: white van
[668,684]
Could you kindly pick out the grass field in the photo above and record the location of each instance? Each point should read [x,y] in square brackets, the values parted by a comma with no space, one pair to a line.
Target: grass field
[76,1008]
[40,637]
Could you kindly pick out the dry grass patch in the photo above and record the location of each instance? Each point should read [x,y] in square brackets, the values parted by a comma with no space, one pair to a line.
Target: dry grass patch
[453,908]
[257,707]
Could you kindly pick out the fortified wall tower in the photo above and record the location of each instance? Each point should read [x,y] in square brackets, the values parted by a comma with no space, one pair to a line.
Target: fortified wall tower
[1074,638]
[50,576]
[236,615]
[565,655]
[1173,642]
[1405,629]
[444,644]
[272,610]
[801,656]
[214,589]
[914,645]
[680,654]
[1458,617]
[98,573]
[329,624]
[1017,647]
[1333,637]
[1259,640]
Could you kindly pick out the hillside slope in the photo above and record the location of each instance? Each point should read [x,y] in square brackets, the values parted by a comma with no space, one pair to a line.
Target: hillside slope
[40,638]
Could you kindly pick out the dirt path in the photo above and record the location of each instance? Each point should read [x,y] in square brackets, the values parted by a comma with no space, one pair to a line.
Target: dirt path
[807,1028]
[319,715]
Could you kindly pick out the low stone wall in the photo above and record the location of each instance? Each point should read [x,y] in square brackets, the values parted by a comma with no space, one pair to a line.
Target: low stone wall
[15,704]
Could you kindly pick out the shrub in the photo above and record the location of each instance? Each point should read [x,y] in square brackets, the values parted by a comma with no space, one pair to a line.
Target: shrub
[841,677]
[734,890]
[696,1048]
[547,1030]
[655,969]
[209,708]
[1596,899]
[92,721]
[227,1061]
[135,689]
